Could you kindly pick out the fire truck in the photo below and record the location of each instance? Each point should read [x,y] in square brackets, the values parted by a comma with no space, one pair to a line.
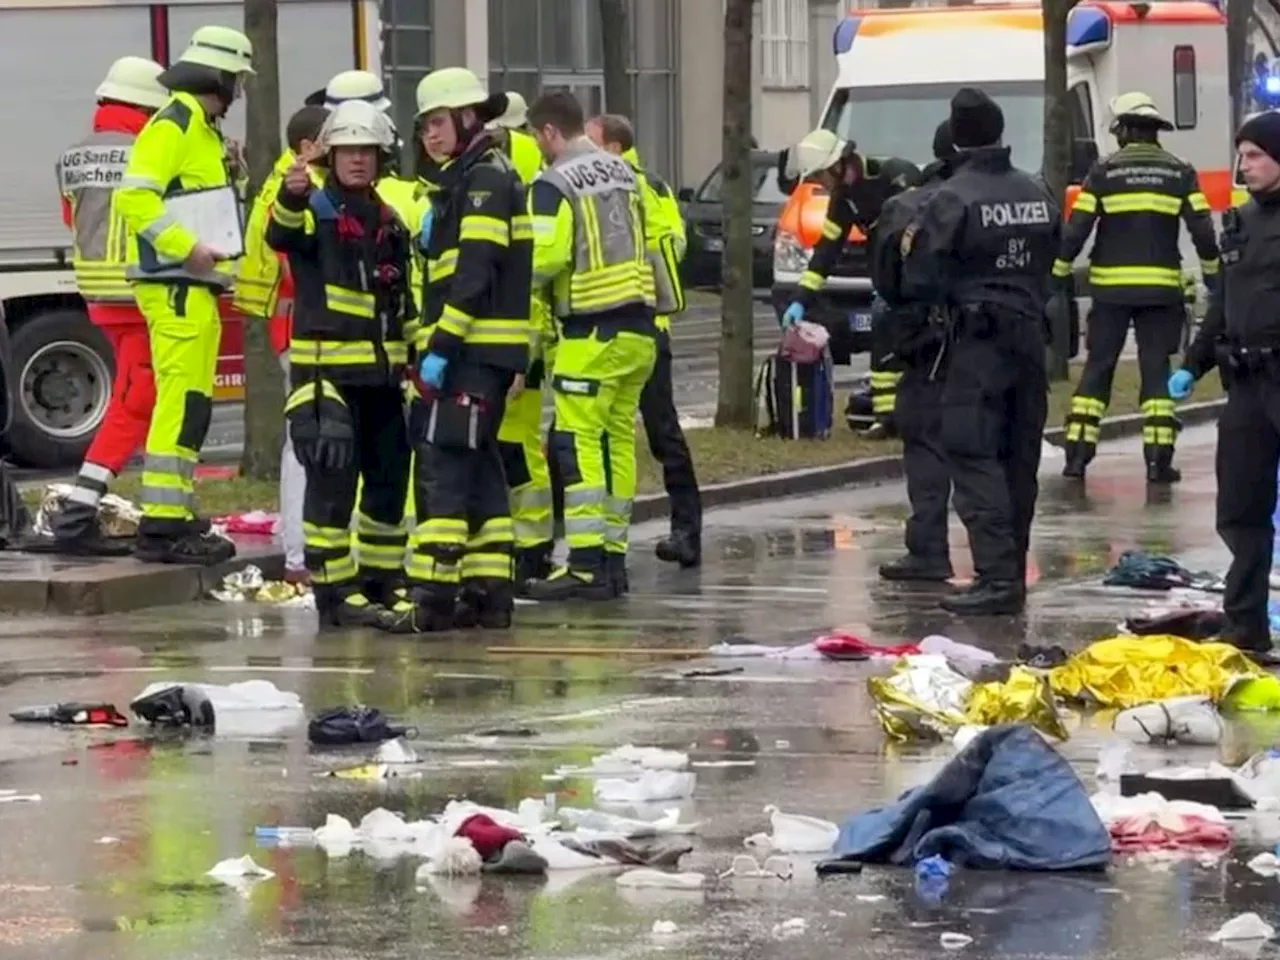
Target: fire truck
[56,54]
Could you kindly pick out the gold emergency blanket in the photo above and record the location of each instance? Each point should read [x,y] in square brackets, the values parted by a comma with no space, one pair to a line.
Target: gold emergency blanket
[1125,672]
[924,699]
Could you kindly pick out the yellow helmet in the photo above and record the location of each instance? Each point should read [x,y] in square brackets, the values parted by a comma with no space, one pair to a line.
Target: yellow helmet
[819,150]
[357,123]
[516,115]
[133,80]
[1137,106]
[221,48]
[450,88]
[356,85]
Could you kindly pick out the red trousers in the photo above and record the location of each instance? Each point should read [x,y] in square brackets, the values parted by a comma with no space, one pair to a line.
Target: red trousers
[133,396]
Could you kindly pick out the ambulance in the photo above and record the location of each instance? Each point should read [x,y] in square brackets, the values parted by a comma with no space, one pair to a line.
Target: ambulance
[897,71]
[56,54]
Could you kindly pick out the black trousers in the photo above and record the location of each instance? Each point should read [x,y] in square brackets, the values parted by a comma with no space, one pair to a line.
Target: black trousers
[382,463]
[668,446]
[919,418]
[995,401]
[464,536]
[1158,330]
[1247,461]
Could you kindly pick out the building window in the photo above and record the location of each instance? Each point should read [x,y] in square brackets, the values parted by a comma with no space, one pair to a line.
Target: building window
[406,56]
[784,44]
[1184,87]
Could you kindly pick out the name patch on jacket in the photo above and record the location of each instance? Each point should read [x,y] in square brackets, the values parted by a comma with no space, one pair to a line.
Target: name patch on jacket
[1022,213]
[598,173]
[91,166]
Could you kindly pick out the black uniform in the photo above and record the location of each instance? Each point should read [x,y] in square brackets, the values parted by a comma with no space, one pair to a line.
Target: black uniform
[349,256]
[984,246]
[1138,197]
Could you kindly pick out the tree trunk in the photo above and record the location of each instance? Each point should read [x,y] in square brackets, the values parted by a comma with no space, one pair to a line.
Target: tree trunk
[263,382]
[1057,142]
[735,403]
[614,40]
[1239,72]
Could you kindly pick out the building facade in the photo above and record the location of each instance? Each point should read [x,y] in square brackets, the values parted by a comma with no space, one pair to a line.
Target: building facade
[675,60]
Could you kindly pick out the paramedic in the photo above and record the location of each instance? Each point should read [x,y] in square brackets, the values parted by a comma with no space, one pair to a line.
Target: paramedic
[1138,197]
[176,284]
[1241,336]
[264,291]
[1004,228]
[473,341]
[348,253]
[101,249]
[604,297]
[916,339]
[665,235]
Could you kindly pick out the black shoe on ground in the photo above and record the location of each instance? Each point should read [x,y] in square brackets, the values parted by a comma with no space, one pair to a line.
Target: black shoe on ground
[615,566]
[207,549]
[569,584]
[407,616]
[532,563]
[1074,468]
[355,610]
[1163,473]
[922,569]
[991,598]
[91,543]
[682,548]
[878,431]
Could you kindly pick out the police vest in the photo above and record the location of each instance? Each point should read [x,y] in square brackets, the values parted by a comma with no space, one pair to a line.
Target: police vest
[610,267]
[102,245]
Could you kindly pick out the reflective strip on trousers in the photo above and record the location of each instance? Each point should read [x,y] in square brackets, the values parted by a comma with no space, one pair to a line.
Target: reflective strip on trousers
[438,545]
[533,515]
[584,519]
[488,555]
[328,554]
[617,515]
[380,546]
[168,487]
[884,390]
[91,483]
[1084,419]
[1160,424]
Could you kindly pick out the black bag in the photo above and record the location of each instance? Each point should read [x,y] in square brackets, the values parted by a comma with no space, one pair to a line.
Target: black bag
[344,726]
[795,400]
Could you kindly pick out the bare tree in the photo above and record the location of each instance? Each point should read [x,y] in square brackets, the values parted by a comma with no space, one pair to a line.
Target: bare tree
[264,387]
[1057,142]
[615,41]
[734,407]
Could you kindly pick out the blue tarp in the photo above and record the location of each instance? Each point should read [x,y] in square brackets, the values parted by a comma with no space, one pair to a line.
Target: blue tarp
[1007,801]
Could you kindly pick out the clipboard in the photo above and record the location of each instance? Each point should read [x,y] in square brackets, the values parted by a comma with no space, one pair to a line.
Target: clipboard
[212,215]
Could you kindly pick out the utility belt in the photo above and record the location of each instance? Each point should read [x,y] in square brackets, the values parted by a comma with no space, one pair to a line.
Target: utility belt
[609,324]
[986,321]
[1239,363]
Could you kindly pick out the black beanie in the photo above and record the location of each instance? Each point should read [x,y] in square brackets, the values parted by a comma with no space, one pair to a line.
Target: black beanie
[1263,130]
[976,119]
[943,146]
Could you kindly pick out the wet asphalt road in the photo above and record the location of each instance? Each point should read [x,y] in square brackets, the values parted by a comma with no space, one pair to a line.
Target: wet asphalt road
[777,572]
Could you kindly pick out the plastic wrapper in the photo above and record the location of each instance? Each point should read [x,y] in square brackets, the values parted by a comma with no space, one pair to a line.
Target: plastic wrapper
[250,586]
[1026,697]
[117,517]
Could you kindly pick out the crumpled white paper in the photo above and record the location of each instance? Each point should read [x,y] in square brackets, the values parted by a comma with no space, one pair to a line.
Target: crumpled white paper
[602,823]
[395,751]
[628,760]
[651,786]
[240,873]
[1265,864]
[1246,926]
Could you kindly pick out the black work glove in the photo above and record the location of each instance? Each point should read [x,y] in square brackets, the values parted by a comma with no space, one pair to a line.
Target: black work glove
[323,436]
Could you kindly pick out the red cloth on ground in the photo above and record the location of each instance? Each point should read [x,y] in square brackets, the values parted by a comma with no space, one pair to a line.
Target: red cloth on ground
[1145,833]
[487,836]
[836,645]
[133,398]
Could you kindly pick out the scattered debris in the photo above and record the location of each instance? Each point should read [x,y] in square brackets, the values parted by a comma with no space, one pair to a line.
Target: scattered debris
[790,928]
[250,708]
[117,517]
[647,878]
[1246,926]
[73,714]
[955,941]
[1265,864]
[663,928]
[250,586]
[795,833]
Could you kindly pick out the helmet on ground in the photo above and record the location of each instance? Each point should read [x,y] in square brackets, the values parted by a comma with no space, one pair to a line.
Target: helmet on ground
[450,88]
[221,48]
[133,80]
[1137,106]
[356,85]
[819,150]
[357,123]
[516,115]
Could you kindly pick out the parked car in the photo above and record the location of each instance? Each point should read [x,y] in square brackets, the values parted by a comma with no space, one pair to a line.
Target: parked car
[704,221]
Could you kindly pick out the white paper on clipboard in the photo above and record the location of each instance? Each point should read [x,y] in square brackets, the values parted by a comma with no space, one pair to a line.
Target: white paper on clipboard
[213,216]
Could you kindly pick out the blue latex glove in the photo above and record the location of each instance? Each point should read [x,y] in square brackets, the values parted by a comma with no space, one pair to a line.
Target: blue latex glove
[793,314]
[424,227]
[1181,383]
[432,370]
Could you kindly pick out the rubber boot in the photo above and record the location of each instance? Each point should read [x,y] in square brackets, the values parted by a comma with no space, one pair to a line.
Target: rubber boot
[615,565]
[1160,468]
[351,609]
[383,587]
[1078,457]
[915,568]
[683,547]
[87,543]
[495,605]
[532,563]
[202,549]
[574,583]
[988,598]
[420,610]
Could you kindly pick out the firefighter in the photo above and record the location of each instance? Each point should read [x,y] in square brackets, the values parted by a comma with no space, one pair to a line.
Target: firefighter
[176,283]
[348,253]
[665,234]
[265,291]
[983,244]
[1137,197]
[473,341]
[101,249]
[917,342]
[522,147]
[895,175]
[1241,336]
[590,247]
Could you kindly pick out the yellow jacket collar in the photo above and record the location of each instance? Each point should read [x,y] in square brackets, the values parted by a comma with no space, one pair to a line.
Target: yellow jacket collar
[632,157]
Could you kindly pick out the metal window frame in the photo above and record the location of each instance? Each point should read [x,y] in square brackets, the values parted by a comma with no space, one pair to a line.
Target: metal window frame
[784,45]
[1180,120]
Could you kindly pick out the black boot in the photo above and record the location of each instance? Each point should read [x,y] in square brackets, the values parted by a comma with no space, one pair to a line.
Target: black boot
[532,563]
[494,603]
[683,547]
[574,583]
[913,567]
[419,611]
[351,609]
[880,430]
[1077,461]
[615,565]
[202,549]
[1160,468]
[383,587]
[988,598]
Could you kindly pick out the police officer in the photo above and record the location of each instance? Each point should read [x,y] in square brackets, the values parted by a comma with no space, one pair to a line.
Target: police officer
[819,154]
[665,234]
[916,341]
[348,253]
[474,340]
[588,215]
[128,95]
[983,245]
[1136,196]
[1241,335]
[176,283]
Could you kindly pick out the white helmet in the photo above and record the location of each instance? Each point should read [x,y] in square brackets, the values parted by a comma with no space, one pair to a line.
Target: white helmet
[221,48]
[1139,106]
[516,115]
[132,80]
[357,123]
[450,88]
[356,85]
[819,150]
